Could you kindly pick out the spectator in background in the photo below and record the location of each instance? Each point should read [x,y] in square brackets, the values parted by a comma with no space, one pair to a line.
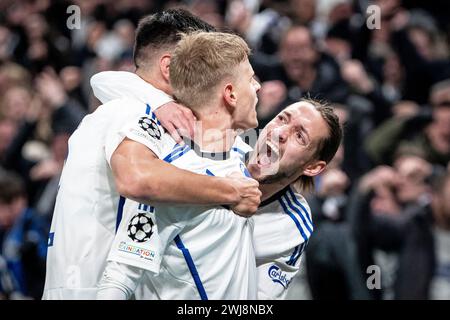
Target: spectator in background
[331,260]
[71,78]
[338,41]
[15,103]
[417,234]
[303,70]
[393,79]
[260,23]
[8,287]
[27,154]
[11,75]
[428,133]
[416,40]
[23,237]
[341,42]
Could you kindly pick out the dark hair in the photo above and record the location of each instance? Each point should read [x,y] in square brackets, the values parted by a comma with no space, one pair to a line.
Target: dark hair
[11,187]
[340,30]
[328,146]
[164,28]
[295,26]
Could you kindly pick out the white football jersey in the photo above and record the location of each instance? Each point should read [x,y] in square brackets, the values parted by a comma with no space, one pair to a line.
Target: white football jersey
[88,207]
[283,225]
[200,252]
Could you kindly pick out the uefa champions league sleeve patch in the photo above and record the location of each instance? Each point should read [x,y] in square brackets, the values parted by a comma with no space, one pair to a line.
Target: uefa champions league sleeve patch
[140,228]
[150,126]
[137,242]
[145,130]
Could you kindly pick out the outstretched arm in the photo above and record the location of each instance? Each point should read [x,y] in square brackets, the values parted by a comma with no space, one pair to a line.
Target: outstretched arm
[111,85]
[141,176]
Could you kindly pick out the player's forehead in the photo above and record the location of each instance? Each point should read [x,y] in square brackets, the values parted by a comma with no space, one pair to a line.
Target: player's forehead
[299,108]
[246,67]
[302,111]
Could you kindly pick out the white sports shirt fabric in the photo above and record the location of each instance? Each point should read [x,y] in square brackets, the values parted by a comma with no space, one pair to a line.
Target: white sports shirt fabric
[87,204]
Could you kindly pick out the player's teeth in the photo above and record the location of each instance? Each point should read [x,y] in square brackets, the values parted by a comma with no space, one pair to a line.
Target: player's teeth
[273,147]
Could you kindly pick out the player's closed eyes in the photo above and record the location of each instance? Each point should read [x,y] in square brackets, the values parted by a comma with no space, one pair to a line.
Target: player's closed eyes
[301,138]
[282,118]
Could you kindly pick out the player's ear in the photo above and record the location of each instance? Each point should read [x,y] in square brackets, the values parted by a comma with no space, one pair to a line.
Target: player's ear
[164,64]
[229,97]
[314,168]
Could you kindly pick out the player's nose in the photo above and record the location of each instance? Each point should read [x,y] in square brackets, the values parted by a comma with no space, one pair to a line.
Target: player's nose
[279,134]
[257,85]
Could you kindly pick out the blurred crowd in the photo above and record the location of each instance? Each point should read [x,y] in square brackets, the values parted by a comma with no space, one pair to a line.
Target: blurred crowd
[382,208]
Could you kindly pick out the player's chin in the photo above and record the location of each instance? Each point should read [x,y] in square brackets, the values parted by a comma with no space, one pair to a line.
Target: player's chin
[261,172]
[255,170]
[250,124]
[255,123]
[254,120]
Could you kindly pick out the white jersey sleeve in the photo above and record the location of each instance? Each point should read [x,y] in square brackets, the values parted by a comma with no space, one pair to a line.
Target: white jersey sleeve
[137,242]
[140,124]
[110,85]
[119,281]
[282,230]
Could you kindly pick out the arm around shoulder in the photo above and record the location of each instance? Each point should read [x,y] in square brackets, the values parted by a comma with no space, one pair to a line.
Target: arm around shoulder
[141,176]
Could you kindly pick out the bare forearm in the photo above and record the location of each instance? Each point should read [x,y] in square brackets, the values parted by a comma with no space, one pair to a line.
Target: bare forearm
[165,183]
[140,176]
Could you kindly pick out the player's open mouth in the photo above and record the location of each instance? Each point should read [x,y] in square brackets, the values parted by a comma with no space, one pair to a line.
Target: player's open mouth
[268,154]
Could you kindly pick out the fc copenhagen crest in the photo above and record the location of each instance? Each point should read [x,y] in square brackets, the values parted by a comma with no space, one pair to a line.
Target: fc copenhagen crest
[149,125]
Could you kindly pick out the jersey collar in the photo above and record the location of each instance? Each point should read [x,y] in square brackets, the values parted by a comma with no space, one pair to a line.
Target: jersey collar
[275,197]
[217,156]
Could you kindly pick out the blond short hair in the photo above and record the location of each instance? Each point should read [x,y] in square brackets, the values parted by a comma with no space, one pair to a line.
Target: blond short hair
[201,61]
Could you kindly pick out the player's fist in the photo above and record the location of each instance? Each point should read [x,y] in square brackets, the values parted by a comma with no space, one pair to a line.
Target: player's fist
[248,192]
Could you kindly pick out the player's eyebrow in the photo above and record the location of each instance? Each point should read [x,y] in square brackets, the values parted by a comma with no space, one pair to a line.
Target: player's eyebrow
[299,126]
[288,115]
[303,129]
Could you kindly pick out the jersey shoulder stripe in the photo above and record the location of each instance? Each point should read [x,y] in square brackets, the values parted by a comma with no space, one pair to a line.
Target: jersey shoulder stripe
[299,213]
[192,267]
[185,150]
[294,254]
[297,202]
[293,217]
[177,152]
[149,112]
[119,211]
[297,253]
